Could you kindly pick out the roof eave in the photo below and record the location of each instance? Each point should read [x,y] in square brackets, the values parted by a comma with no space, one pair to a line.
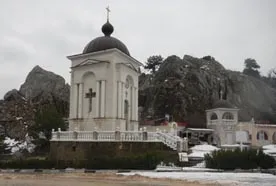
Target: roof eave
[72,57]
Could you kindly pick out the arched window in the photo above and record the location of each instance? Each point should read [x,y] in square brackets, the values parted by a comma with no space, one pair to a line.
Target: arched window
[129,81]
[87,93]
[214,116]
[216,140]
[228,115]
[274,138]
[126,108]
[262,135]
[248,135]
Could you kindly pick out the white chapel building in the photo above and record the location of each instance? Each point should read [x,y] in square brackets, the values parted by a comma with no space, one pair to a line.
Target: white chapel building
[223,118]
[104,86]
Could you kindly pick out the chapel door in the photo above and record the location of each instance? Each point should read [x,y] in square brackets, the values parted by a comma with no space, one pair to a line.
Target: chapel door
[229,138]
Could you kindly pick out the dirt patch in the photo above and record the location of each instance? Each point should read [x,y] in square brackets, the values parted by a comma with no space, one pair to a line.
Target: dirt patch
[96,179]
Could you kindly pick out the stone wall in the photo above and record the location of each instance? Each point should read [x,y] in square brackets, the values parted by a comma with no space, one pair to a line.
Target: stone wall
[81,151]
[252,131]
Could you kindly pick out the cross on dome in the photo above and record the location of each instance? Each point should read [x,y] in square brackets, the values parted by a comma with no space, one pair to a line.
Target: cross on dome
[107,11]
[107,41]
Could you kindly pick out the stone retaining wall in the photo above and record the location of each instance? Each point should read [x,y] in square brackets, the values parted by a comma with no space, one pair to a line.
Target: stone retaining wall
[79,151]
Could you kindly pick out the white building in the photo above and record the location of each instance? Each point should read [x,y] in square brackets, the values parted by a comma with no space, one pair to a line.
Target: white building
[104,86]
[223,118]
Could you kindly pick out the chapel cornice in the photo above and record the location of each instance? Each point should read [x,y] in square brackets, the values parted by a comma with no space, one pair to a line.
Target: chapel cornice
[128,65]
[90,62]
[108,51]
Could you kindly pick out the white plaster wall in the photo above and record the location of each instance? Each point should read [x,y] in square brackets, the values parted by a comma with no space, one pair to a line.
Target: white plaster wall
[89,81]
[221,127]
[111,70]
[71,107]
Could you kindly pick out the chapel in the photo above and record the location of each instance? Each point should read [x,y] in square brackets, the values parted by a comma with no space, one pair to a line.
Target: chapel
[223,118]
[104,86]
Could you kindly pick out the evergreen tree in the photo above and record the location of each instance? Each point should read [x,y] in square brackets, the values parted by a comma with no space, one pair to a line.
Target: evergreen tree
[251,68]
[272,73]
[46,120]
[153,63]
[3,146]
[272,77]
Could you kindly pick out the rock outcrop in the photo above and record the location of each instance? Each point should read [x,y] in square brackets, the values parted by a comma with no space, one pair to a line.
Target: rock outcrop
[41,88]
[13,95]
[44,85]
[185,88]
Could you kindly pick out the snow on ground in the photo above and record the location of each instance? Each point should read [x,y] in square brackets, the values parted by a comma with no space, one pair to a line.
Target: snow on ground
[200,165]
[270,150]
[267,147]
[204,148]
[224,178]
[205,67]
[197,154]
[198,151]
[15,146]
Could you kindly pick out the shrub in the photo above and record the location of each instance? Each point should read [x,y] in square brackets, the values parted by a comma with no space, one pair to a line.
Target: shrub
[237,159]
[27,164]
[146,161]
[265,161]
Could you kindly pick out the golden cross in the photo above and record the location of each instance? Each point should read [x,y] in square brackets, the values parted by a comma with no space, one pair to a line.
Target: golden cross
[108,10]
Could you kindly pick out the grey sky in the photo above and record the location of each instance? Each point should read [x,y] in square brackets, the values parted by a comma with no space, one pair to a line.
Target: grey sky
[40,32]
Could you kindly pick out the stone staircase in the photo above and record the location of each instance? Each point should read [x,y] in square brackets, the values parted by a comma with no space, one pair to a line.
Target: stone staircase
[173,141]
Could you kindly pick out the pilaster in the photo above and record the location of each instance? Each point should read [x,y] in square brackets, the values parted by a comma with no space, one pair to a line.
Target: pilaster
[123,101]
[103,97]
[136,104]
[98,99]
[119,99]
[80,100]
[133,103]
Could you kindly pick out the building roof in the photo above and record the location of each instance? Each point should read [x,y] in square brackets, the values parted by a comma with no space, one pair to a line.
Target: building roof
[105,42]
[222,104]
[199,129]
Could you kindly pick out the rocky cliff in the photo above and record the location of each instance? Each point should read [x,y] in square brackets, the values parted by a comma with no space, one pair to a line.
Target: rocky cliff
[185,88]
[41,88]
[41,85]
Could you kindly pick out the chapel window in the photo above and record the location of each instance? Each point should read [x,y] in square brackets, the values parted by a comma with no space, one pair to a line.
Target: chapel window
[228,116]
[262,135]
[214,116]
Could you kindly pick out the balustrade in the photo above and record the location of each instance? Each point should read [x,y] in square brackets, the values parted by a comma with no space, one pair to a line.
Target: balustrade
[152,136]
[172,141]
[106,136]
[131,136]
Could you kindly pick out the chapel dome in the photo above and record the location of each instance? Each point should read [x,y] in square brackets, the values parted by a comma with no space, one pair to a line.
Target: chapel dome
[105,42]
[222,104]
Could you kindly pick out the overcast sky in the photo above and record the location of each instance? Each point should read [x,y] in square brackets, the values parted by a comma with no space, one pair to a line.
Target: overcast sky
[44,32]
